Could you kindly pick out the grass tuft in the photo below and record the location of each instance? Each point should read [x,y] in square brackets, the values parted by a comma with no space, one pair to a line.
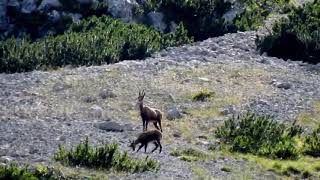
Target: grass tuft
[259,135]
[203,95]
[105,157]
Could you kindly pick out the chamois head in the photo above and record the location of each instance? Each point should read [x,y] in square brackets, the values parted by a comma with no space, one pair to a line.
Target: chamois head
[141,96]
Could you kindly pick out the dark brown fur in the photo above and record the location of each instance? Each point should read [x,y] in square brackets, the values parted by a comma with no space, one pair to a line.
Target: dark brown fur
[145,138]
[149,114]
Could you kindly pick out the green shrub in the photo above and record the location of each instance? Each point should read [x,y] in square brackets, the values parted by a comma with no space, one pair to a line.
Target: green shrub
[203,95]
[14,172]
[259,135]
[105,157]
[91,42]
[311,144]
[296,37]
[197,16]
[256,11]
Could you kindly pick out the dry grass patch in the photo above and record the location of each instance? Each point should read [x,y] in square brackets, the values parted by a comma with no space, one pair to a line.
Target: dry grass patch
[310,119]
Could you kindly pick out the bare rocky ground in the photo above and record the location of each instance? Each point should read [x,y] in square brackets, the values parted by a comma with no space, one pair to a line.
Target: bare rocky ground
[40,110]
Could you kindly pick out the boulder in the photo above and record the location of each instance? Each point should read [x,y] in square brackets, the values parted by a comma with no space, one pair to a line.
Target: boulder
[3,15]
[106,93]
[156,20]
[111,126]
[14,3]
[86,1]
[174,113]
[95,111]
[28,6]
[123,9]
[54,16]
[49,4]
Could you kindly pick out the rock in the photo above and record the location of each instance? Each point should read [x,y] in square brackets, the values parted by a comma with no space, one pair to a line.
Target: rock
[122,9]
[4,149]
[28,6]
[172,26]
[88,99]
[110,126]
[266,61]
[76,17]
[86,1]
[106,93]
[204,79]
[228,110]
[33,150]
[4,25]
[174,113]
[49,4]
[177,134]
[54,16]
[14,3]
[60,87]
[282,85]
[95,111]
[156,20]
[5,159]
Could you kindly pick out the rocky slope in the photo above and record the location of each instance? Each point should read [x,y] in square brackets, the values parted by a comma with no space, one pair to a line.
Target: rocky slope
[39,110]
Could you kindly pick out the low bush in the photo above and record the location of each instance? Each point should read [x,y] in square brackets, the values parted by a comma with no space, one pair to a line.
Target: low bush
[91,42]
[259,135]
[296,37]
[311,145]
[203,95]
[16,173]
[256,11]
[106,157]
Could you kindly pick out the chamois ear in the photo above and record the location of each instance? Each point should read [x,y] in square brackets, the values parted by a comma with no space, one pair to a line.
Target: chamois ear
[143,93]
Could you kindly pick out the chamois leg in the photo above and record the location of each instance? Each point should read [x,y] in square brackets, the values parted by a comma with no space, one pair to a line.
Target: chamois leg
[140,147]
[155,143]
[145,147]
[156,125]
[160,125]
[144,124]
[158,141]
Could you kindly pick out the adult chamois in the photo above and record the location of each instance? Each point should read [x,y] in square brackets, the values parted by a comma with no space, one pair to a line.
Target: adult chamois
[149,114]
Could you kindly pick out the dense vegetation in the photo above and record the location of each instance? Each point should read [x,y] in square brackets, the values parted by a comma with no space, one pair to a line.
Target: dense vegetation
[261,135]
[204,19]
[38,24]
[105,157]
[16,173]
[312,143]
[296,37]
[91,42]
[255,12]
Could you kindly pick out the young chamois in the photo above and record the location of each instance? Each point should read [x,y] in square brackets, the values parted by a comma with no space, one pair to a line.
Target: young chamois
[149,114]
[146,137]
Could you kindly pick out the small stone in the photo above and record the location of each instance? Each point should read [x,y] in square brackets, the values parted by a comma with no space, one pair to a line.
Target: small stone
[177,134]
[6,159]
[266,61]
[204,79]
[60,87]
[110,126]
[228,110]
[88,99]
[95,111]
[283,85]
[33,150]
[106,93]
[174,113]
